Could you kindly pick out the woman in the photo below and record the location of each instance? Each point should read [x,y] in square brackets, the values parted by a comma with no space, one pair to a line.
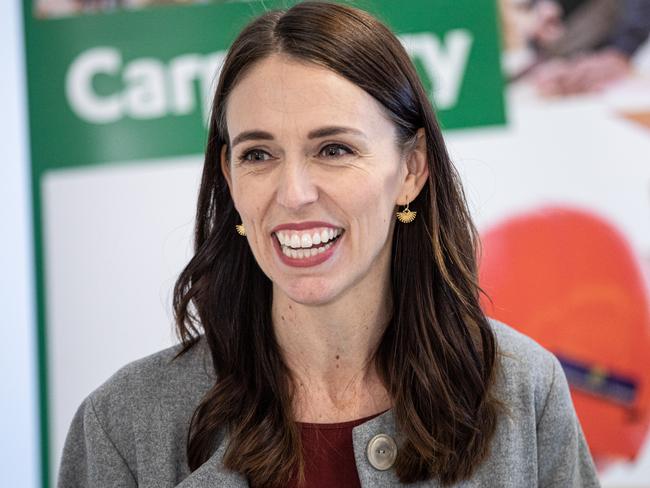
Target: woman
[327,339]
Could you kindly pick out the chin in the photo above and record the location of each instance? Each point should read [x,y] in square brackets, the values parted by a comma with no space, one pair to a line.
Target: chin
[311,292]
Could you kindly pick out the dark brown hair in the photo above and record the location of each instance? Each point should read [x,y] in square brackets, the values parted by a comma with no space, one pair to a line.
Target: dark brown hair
[437,356]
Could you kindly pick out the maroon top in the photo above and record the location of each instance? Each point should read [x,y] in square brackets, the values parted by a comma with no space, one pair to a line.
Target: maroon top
[329,454]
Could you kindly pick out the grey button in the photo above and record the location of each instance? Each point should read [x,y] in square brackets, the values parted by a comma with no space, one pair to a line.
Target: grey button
[382,452]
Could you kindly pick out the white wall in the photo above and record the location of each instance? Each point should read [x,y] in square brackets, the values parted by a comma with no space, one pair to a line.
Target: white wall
[19,463]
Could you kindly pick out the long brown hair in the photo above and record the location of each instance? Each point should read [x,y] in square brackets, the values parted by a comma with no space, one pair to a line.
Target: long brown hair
[437,356]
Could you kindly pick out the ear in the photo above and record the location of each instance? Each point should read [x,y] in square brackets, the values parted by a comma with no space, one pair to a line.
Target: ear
[225,166]
[417,169]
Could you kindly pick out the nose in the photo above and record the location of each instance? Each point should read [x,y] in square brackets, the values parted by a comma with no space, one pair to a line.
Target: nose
[296,187]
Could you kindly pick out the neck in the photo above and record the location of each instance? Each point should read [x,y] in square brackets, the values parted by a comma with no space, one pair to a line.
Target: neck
[329,350]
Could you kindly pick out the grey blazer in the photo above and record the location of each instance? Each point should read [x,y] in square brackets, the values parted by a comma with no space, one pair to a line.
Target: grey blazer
[132,430]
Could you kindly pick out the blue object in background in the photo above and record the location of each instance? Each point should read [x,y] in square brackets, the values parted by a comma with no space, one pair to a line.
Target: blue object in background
[18,391]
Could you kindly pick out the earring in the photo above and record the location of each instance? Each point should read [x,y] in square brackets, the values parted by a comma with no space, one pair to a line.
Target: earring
[406,216]
[240,229]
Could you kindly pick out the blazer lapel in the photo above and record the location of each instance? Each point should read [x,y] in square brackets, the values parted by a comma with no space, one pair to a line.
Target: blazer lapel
[213,473]
[369,476]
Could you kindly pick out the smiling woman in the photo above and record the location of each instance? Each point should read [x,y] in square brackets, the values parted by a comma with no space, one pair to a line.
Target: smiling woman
[339,162]
[329,339]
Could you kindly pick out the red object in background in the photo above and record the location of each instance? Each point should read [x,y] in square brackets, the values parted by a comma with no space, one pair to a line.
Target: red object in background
[570,281]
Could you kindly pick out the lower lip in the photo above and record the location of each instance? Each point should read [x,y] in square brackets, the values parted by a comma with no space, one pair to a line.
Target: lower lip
[311,260]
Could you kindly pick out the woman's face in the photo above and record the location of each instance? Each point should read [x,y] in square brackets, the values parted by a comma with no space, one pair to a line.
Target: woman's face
[313,156]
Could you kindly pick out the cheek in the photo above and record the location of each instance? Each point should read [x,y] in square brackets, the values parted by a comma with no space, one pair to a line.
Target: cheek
[383,204]
[371,203]
[249,195]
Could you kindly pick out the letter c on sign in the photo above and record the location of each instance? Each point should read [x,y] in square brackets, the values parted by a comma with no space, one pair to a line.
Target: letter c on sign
[79,90]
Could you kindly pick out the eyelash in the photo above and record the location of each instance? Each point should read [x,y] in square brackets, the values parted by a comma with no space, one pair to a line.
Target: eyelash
[337,146]
[246,154]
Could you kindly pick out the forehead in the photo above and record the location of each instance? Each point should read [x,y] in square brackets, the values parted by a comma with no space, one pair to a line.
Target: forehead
[280,93]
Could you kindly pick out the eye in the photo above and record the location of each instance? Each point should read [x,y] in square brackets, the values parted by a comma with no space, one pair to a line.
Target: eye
[255,155]
[335,151]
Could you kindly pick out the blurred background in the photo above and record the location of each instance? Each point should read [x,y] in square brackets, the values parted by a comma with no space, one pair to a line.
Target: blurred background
[546,110]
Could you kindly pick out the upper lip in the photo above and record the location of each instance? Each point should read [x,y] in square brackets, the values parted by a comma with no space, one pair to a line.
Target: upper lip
[303,225]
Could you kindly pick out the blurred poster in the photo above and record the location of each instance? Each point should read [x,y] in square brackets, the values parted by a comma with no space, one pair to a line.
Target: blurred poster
[61,8]
[562,199]
[119,92]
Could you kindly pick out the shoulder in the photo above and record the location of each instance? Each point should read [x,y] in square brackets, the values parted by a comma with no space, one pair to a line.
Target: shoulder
[531,385]
[520,355]
[526,371]
[159,377]
[136,422]
[153,397]
[518,346]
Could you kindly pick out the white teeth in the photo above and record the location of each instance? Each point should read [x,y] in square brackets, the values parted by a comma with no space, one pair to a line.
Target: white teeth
[306,240]
[302,245]
[305,253]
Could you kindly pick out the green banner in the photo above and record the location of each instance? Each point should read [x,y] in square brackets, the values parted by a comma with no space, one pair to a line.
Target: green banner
[135,84]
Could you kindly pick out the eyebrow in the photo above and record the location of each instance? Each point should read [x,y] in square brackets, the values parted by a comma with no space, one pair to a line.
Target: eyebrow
[257,135]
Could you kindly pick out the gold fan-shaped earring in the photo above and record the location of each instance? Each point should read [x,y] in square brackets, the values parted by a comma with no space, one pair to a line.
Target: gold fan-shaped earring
[406,216]
[241,230]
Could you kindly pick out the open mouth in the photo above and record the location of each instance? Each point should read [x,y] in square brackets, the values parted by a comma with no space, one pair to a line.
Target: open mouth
[305,246]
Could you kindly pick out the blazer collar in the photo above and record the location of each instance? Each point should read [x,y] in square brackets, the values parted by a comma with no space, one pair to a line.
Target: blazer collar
[213,473]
